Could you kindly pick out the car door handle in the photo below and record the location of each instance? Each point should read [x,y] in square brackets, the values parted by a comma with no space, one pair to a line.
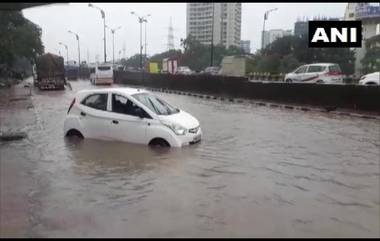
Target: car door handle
[82,113]
[115,122]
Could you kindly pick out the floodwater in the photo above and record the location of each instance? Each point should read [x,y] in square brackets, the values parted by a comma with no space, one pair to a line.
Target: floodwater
[258,172]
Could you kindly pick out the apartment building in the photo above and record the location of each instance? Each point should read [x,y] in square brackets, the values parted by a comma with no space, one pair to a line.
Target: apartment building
[220,22]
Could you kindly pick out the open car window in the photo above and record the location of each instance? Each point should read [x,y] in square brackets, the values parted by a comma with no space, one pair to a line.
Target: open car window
[96,101]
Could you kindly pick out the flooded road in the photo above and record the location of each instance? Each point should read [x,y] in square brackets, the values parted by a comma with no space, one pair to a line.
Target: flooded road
[258,172]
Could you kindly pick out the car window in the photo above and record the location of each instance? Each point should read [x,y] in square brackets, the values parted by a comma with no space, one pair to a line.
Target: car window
[300,70]
[315,68]
[334,68]
[96,101]
[123,105]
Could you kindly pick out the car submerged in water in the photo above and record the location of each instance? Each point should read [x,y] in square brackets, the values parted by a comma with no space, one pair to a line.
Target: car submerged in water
[130,115]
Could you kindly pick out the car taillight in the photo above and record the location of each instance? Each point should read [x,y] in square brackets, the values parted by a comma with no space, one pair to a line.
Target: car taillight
[71,105]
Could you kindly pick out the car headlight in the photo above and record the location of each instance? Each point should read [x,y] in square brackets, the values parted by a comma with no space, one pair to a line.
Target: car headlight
[177,129]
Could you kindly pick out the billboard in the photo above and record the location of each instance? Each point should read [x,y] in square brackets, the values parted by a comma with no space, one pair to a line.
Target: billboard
[367,10]
[153,68]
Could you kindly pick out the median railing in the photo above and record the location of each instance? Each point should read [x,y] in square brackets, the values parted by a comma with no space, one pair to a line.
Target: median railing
[349,96]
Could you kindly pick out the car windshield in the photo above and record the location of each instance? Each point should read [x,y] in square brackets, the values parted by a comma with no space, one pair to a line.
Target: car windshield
[155,104]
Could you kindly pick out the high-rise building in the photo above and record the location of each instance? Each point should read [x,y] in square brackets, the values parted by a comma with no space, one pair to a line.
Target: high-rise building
[246,46]
[218,21]
[369,15]
[271,35]
[301,27]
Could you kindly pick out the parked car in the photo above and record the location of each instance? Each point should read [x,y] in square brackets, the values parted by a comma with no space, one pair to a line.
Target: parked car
[328,73]
[212,70]
[103,75]
[370,79]
[130,115]
[184,70]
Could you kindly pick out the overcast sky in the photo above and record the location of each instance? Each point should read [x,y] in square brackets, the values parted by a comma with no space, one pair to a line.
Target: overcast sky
[55,20]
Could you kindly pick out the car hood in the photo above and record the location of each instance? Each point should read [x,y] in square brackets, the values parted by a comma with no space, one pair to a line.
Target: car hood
[181,118]
[371,77]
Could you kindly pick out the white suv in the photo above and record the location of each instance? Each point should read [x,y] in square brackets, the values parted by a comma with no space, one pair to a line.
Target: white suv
[328,73]
[131,115]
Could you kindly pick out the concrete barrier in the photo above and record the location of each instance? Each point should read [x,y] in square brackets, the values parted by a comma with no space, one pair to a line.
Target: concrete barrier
[348,96]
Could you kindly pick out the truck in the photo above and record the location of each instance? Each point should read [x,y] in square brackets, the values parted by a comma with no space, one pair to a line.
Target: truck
[234,66]
[72,72]
[169,66]
[50,72]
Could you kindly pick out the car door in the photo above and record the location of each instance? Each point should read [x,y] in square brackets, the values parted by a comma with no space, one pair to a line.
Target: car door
[299,73]
[94,115]
[126,125]
[312,73]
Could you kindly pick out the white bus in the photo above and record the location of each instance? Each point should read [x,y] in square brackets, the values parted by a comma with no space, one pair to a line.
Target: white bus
[102,75]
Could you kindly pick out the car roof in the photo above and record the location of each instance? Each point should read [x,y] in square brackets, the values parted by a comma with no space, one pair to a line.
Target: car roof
[121,90]
[323,64]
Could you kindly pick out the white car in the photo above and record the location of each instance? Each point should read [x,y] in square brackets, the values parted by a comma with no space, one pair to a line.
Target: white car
[130,115]
[212,70]
[184,70]
[328,73]
[370,79]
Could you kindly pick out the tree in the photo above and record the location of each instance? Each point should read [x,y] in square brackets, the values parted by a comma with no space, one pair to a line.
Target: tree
[287,53]
[134,61]
[288,63]
[198,56]
[371,59]
[20,39]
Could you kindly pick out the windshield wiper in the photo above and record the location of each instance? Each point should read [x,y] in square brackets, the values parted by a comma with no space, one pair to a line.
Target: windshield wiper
[157,111]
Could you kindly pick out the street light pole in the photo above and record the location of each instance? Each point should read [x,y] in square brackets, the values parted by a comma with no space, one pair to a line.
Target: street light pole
[141,46]
[113,42]
[141,20]
[77,36]
[104,25]
[145,38]
[212,36]
[67,52]
[266,14]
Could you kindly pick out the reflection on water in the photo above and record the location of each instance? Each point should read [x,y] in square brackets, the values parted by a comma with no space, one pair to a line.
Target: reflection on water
[91,156]
[258,172]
